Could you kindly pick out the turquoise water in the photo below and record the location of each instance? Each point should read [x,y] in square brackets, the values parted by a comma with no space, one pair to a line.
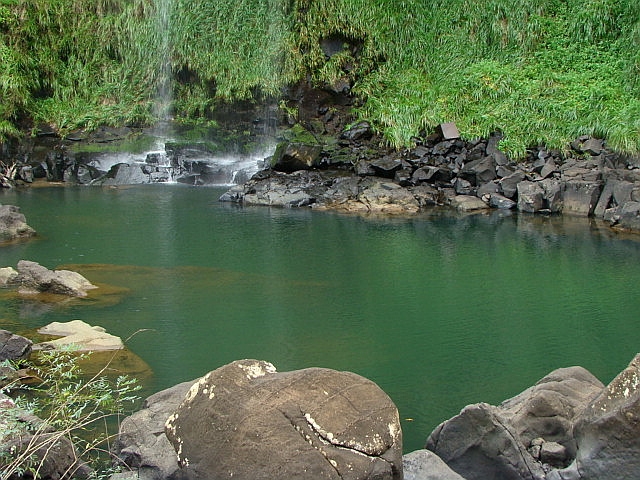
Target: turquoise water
[440,311]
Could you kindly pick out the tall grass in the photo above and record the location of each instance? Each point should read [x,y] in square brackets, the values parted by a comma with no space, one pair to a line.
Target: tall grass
[541,71]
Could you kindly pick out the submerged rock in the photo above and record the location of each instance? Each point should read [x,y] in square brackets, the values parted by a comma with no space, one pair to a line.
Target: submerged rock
[247,421]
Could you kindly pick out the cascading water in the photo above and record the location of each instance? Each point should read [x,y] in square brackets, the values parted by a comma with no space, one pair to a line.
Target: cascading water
[170,152]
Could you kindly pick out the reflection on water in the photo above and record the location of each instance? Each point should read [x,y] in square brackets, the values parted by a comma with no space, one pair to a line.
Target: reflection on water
[440,310]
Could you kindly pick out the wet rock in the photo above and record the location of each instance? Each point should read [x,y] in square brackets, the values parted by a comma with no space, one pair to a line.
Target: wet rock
[14,347]
[124,174]
[13,224]
[290,157]
[142,444]
[247,421]
[34,278]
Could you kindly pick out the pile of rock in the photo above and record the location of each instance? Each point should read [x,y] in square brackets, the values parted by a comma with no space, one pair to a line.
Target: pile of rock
[349,174]
[247,421]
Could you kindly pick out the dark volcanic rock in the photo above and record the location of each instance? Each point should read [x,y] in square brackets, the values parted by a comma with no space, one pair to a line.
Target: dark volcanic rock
[246,421]
[13,347]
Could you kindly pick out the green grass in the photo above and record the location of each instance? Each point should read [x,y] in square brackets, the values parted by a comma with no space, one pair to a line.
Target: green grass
[541,71]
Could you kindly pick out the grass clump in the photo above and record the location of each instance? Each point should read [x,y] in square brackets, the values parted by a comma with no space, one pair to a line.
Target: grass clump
[541,71]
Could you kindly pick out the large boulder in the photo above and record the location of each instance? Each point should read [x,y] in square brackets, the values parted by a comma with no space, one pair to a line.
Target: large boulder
[247,421]
[13,224]
[607,432]
[13,347]
[34,278]
[142,445]
[514,440]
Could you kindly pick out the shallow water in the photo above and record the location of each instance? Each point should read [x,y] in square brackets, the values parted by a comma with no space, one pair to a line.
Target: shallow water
[439,310]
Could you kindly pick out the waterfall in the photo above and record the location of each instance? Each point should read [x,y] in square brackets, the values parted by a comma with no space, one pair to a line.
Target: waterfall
[164,81]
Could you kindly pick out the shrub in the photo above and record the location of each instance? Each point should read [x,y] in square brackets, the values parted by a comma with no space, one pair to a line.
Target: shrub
[75,409]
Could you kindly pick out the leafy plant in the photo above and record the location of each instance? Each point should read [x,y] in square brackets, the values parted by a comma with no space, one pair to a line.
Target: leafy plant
[72,409]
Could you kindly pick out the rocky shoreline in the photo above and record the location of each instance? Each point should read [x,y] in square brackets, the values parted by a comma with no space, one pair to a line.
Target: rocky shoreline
[246,420]
[347,174]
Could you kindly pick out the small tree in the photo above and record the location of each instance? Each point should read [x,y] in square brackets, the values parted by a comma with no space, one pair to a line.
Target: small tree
[75,418]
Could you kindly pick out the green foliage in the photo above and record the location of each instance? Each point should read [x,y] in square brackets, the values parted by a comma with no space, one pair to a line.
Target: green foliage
[540,71]
[74,407]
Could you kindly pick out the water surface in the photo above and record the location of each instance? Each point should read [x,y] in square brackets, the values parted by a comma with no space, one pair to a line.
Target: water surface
[439,310]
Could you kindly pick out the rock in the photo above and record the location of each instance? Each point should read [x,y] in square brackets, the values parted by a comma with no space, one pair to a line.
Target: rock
[510,183]
[462,187]
[246,421]
[548,409]
[14,347]
[34,278]
[503,203]
[530,197]
[8,276]
[81,335]
[290,157]
[467,203]
[13,224]
[580,197]
[124,174]
[386,197]
[548,168]
[52,451]
[607,432]
[479,444]
[361,130]
[386,167]
[505,442]
[479,171]
[553,195]
[554,454]
[426,465]
[626,217]
[142,444]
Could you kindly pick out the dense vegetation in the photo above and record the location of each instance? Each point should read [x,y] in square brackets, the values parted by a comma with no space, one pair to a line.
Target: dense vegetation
[541,71]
